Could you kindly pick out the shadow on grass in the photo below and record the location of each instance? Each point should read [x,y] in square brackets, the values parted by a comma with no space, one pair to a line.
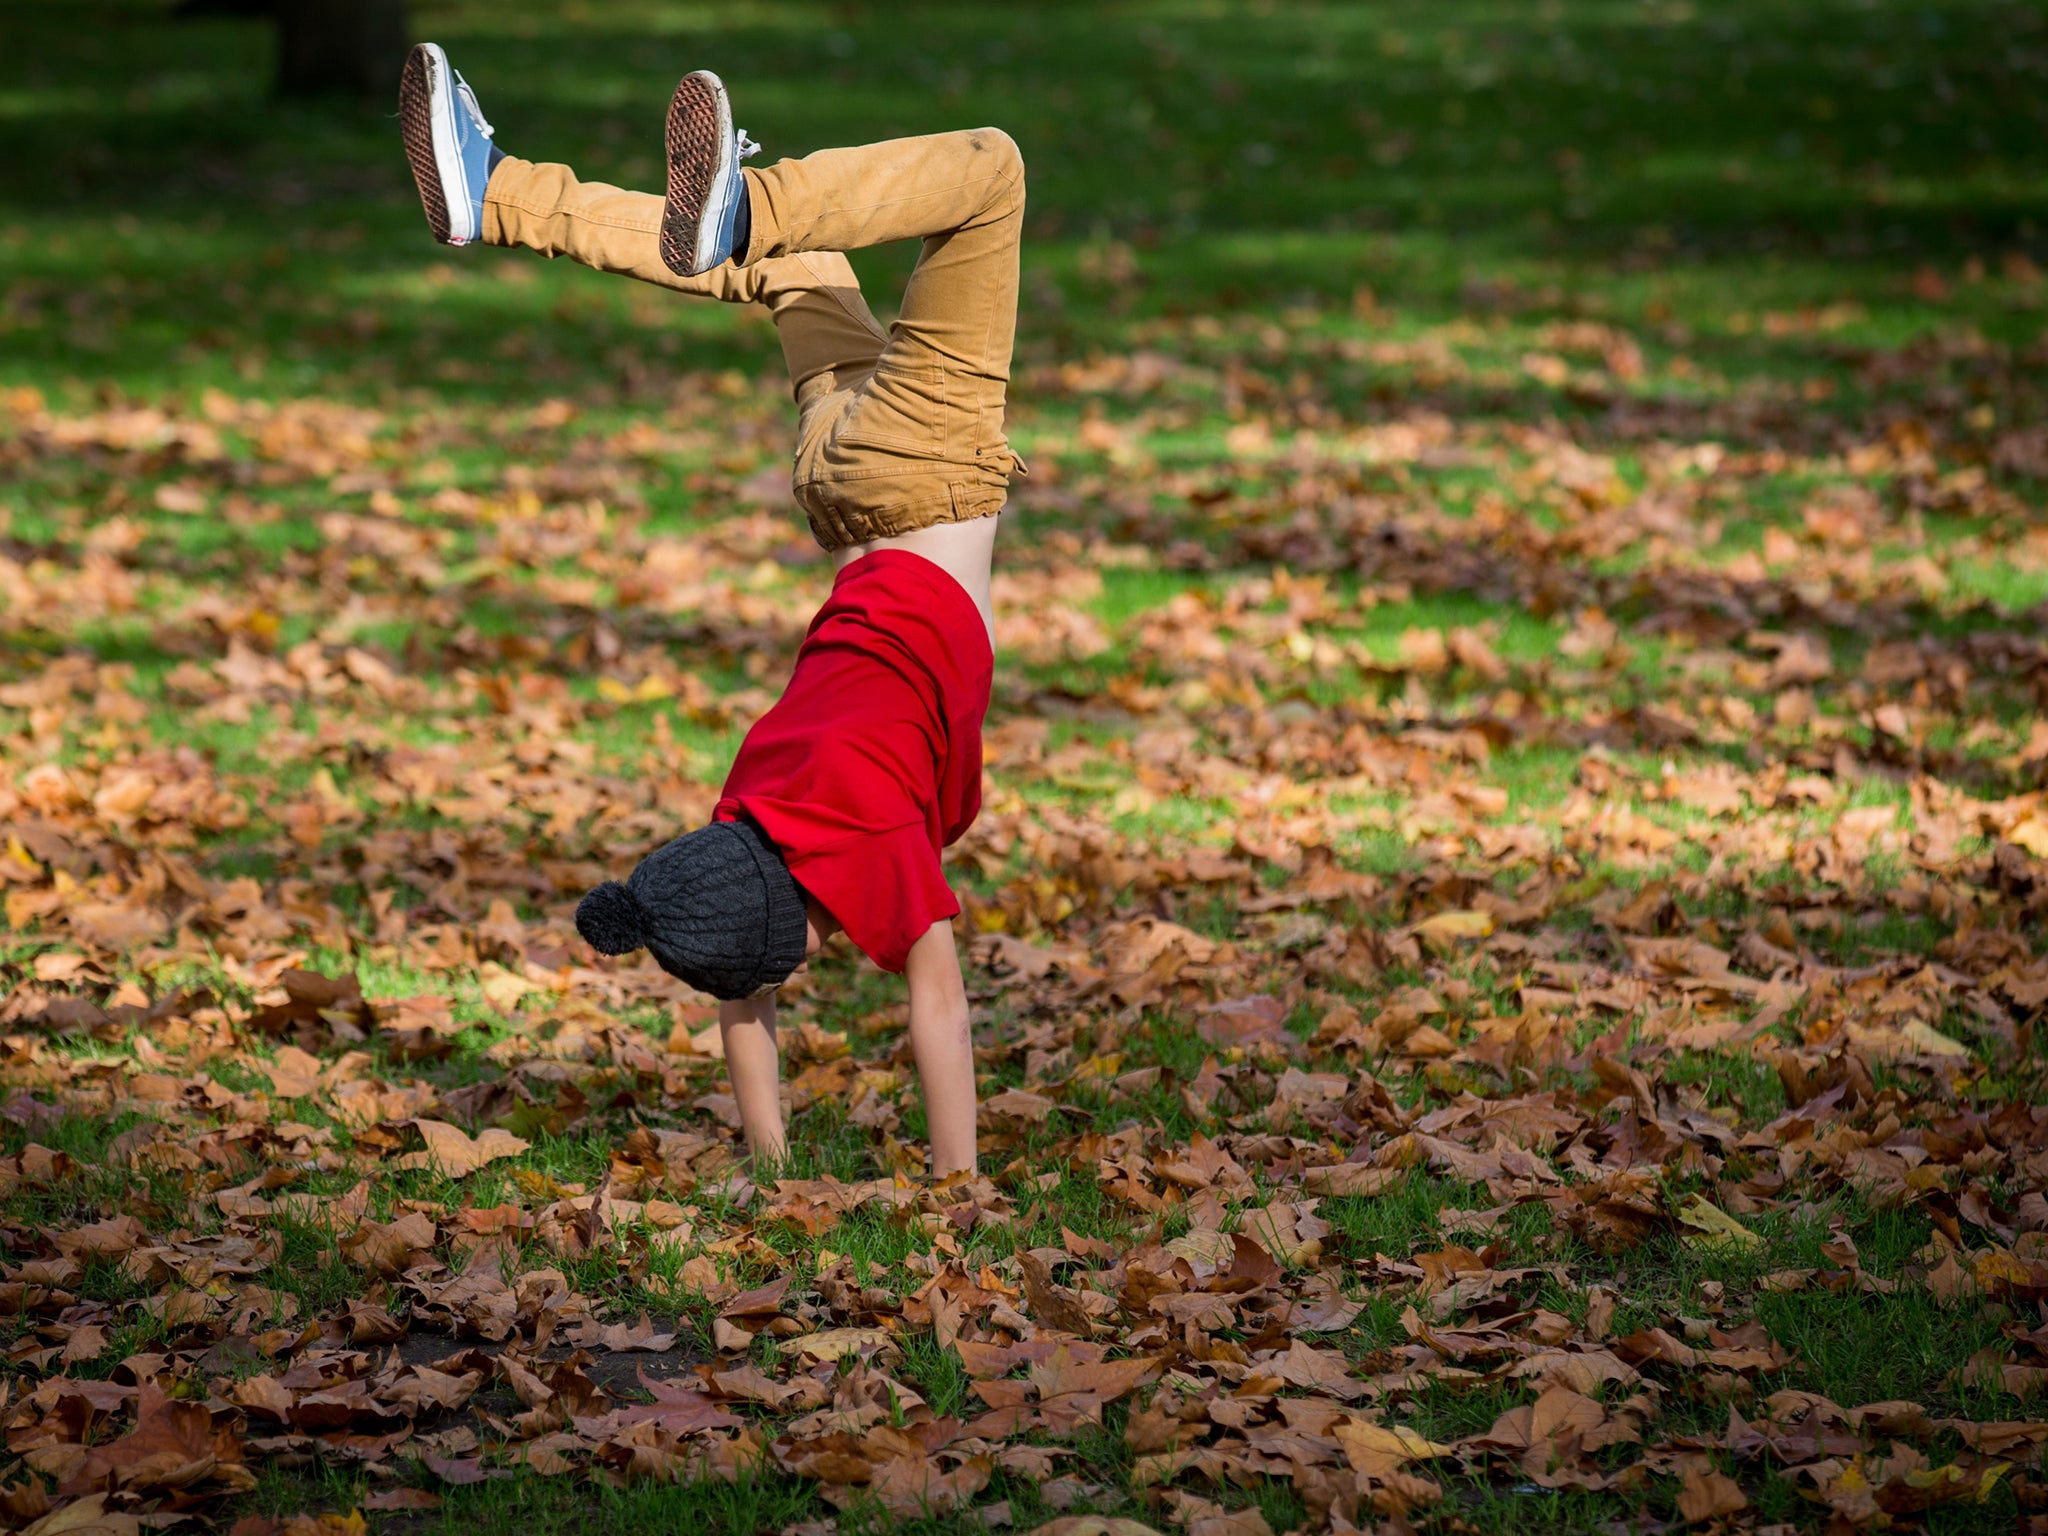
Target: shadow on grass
[148,166]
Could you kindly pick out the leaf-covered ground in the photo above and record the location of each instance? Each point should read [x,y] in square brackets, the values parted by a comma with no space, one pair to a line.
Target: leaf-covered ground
[1507,929]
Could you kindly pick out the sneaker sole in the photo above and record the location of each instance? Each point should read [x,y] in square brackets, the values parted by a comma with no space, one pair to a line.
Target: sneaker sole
[426,121]
[702,160]
[416,127]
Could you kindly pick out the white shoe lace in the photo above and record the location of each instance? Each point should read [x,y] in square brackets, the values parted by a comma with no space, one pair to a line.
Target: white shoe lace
[468,99]
[747,147]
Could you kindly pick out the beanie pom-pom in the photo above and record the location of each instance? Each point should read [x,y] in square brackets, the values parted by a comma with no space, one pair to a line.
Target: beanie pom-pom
[609,918]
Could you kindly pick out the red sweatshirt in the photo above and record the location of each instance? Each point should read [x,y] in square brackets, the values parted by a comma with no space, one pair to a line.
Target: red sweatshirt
[870,762]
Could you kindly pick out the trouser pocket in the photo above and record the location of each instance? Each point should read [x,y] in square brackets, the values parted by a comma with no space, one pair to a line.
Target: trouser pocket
[898,411]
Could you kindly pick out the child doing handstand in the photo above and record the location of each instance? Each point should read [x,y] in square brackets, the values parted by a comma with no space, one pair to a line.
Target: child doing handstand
[844,793]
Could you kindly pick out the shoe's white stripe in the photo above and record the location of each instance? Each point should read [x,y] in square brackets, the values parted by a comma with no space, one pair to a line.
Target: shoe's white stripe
[448,151]
[711,220]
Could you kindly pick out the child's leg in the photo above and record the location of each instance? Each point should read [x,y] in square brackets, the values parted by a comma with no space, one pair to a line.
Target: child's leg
[824,323]
[921,440]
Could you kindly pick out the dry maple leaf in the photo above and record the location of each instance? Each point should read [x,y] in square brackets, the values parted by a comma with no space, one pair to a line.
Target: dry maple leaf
[1072,1388]
[1378,1449]
[403,1498]
[622,1338]
[391,1247]
[839,1343]
[459,1472]
[110,1239]
[910,1488]
[455,1154]
[1303,1365]
[293,1073]
[1014,1106]
[173,1446]
[763,1302]
[1557,1430]
[1052,1306]
[1239,1522]
[87,1516]
[1706,1494]
[1351,1179]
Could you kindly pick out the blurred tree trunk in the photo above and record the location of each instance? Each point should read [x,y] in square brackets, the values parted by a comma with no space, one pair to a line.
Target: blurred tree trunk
[355,47]
[351,46]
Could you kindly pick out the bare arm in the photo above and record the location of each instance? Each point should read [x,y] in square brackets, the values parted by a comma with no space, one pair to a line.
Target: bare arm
[943,1047]
[747,1028]
[753,1060]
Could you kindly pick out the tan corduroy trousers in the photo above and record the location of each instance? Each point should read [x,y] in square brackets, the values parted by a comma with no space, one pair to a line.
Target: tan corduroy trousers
[897,430]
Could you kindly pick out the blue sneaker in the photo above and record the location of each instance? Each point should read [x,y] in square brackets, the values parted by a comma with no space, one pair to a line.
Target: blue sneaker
[705,187]
[448,143]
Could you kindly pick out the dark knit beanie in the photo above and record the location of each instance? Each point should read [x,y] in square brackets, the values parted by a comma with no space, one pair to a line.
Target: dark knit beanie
[718,908]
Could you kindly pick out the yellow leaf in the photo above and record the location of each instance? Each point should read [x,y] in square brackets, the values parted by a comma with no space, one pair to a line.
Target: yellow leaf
[1450,927]
[1988,1480]
[1935,1477]
[542,1186]
[1377,1449]
[1929,1041]
[2031,834]
[500,987]
[836,1343]
[1096,1067]
[1849,1481]
[1713,1228]
[649,690]
[327,1523]
[1996,1267]
[1203,1247]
